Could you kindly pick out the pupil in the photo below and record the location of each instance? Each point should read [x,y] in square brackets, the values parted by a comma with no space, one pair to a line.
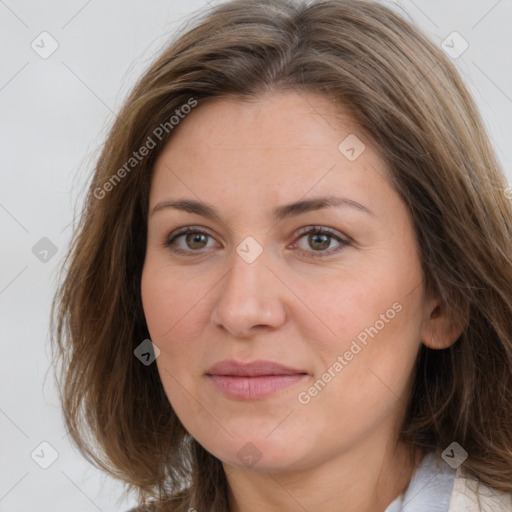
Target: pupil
[326,241]
[194,237]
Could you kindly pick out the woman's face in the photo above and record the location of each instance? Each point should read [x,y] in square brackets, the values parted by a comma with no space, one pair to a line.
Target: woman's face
[342,309]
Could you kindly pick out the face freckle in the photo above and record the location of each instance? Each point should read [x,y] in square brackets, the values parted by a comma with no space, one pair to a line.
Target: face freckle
[350,323]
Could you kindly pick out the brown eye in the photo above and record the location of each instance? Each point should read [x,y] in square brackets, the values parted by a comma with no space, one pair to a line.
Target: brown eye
[194,240]
[319,239]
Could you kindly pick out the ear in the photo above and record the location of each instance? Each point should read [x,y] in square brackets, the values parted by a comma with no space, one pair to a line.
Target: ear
[440,331]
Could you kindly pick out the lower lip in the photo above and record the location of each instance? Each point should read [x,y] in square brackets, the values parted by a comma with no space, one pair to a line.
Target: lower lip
[253,388]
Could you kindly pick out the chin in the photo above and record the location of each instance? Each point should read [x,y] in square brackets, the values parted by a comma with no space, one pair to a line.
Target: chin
[258,452]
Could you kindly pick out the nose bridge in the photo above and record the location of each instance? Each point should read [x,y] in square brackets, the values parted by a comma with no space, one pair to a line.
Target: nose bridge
[249,294]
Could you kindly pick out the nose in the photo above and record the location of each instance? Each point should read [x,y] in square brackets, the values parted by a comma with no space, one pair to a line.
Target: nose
[249,298]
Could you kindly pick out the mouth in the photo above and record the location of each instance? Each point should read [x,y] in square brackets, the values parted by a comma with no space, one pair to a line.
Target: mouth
[253,380]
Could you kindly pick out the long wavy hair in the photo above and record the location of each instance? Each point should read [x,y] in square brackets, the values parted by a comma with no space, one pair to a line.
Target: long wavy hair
[408,96]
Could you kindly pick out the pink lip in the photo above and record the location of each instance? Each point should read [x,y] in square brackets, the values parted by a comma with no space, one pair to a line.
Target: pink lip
[250,381]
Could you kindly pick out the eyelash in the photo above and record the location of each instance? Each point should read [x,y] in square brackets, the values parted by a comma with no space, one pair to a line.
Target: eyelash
[304,231]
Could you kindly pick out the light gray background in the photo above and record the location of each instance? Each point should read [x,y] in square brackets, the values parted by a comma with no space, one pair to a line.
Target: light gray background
[55,113]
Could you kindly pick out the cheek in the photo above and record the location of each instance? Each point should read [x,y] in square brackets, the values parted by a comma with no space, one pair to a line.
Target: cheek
[169,306]
[362,378]
[170,301]
[176,311]
[376,303]
[374,321]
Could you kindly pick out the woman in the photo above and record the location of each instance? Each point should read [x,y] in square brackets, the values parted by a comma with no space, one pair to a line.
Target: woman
[340,336]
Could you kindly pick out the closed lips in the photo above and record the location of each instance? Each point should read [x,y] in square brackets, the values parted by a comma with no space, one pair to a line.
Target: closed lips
[252,369]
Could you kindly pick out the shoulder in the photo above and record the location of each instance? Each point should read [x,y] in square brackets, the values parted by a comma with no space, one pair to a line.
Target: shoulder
[469,495]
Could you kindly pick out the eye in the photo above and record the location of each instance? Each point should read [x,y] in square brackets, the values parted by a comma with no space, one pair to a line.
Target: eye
[194,238]
[319,238]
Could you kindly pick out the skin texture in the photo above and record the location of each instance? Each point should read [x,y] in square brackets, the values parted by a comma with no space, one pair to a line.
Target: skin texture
[245,158]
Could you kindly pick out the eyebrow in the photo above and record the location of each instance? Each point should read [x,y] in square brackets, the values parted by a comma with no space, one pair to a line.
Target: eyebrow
[279,212]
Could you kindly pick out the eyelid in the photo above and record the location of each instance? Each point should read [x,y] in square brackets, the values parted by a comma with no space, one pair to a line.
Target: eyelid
[315,229]
[343,240]
[169,239]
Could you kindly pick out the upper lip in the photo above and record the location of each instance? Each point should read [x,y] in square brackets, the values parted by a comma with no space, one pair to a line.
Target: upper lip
[251,369]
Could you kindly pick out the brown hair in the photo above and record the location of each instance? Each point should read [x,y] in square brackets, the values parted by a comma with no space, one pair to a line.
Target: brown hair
[405,93]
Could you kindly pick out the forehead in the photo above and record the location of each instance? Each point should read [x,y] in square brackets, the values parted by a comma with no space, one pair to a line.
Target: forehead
[276,148]
[274,120]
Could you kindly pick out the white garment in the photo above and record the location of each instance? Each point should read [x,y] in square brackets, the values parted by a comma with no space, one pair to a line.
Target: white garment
[436,487]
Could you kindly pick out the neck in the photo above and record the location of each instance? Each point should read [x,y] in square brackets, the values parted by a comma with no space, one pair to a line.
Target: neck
[365,479]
